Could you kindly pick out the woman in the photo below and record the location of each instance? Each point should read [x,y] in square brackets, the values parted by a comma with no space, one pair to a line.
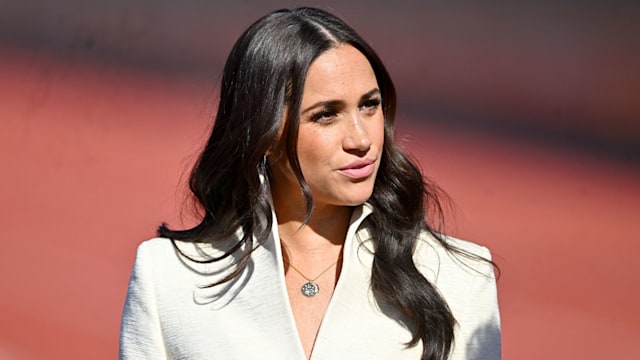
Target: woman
[313,242]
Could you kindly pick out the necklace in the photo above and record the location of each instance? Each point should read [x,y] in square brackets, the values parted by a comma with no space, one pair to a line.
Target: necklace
[310,288]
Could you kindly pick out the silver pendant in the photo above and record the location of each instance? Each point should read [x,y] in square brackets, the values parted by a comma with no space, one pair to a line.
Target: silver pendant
[310,289]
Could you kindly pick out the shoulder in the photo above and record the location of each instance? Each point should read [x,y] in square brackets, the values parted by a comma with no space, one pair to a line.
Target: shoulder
[155,258]
[165,249]
[452,252]
[171,264]
[155,246]
[467,246]
[456,267]
[152,251]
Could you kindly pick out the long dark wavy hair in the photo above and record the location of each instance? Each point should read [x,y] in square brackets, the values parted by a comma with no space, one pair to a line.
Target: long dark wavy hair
[263,76]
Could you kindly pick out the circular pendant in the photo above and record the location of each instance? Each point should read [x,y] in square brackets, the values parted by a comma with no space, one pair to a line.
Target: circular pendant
[310,289]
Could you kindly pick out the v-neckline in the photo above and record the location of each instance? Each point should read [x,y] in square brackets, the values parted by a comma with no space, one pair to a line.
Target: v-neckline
[358,216]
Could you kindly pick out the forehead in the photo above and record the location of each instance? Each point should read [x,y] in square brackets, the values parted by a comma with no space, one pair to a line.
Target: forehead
[340,72]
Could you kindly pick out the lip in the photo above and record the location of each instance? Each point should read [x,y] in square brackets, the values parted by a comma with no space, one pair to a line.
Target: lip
[358,169]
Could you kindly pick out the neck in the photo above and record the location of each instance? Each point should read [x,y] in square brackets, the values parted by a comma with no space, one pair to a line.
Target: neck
[327,227]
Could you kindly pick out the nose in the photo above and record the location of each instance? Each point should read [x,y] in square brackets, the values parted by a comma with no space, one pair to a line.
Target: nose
[356,136]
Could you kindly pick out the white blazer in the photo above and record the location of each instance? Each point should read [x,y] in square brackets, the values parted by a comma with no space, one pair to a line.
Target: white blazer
[170,314]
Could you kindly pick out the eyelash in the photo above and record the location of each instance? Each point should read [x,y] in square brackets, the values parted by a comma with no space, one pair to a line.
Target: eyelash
[327,114]
[371,104]
[324,115]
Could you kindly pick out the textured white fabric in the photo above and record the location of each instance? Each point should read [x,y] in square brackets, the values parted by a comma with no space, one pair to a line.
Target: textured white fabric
[169,314]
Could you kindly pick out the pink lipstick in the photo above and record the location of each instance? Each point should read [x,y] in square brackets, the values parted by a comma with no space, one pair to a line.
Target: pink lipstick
[358,169]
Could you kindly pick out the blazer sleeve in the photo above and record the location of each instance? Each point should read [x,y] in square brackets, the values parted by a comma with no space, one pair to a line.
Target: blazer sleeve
[482,327]
[140,332]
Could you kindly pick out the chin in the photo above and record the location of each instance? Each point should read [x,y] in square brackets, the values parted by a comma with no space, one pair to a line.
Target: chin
[346,195]
[357,200]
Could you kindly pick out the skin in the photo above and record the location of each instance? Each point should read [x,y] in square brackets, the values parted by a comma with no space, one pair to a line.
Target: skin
[340,141]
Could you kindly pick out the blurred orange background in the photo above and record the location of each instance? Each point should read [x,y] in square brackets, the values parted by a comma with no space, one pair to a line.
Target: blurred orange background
[526,113]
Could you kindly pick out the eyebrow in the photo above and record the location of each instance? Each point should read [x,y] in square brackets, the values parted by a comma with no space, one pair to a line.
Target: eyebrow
[336,103]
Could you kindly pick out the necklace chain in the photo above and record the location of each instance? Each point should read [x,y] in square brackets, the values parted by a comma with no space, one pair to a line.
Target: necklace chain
[312,280]
[310,288]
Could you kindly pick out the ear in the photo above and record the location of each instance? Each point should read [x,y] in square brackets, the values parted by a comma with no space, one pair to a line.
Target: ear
[276,150]
[273,149]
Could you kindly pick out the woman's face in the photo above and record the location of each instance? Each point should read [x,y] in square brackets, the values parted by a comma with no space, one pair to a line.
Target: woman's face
[341,132]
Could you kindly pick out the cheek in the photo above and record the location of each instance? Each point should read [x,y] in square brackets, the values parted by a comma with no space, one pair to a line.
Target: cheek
[318,144]
[377,133]
[311,151]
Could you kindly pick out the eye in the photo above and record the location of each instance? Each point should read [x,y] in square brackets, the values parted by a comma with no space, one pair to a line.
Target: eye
[371,105]
[324,116]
